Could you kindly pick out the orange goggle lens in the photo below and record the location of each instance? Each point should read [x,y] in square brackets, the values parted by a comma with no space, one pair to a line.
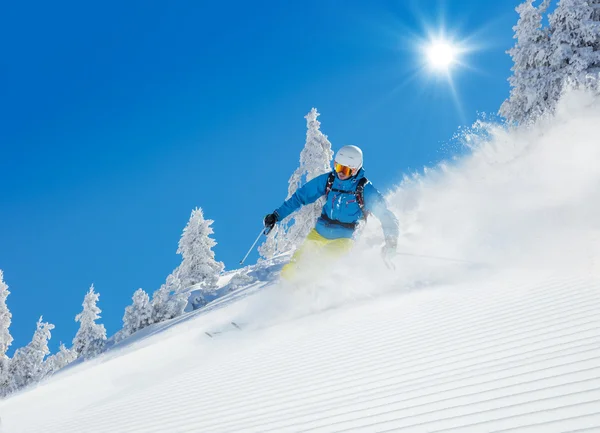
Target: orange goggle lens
[343,169]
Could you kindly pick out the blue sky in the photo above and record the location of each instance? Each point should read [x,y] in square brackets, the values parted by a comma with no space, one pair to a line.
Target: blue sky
[118,118]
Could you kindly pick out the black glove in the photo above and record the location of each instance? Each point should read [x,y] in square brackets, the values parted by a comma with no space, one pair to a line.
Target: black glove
[270,221]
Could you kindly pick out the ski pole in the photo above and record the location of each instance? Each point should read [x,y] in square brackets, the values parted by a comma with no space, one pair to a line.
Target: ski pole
[262,231]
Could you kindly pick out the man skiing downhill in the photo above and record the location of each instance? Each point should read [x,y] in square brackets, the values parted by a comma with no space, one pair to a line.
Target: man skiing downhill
[349,199]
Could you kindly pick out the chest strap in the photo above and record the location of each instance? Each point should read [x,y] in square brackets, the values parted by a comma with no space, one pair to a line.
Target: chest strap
[328,220]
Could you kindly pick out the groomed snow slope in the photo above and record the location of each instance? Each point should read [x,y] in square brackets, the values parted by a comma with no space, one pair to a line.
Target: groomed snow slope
[511,343]
[523,356]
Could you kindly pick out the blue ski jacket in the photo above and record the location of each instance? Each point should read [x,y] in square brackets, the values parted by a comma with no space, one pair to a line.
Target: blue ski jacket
[342,206]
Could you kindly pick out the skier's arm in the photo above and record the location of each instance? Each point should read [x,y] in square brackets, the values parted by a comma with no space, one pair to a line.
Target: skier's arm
[308,193]
[375,204]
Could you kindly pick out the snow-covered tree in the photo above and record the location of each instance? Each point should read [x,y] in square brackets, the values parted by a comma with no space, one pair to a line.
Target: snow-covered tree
[5,318]
[169,301]
[91,336]
[5,337]
[4,375]
[575,42]
[59,360]
[315,159]
[531,92]
[26,366]
[547,58]
[138,315]
[198,265]
[240,280]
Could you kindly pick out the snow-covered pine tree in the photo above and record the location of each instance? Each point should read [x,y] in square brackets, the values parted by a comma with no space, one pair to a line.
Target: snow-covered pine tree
[5,318]
[4,375]
[138,315]
[169,300]
[198,265]
[5,337]
[60,359]
[315,159]
[26,366]
[575,43]
[91,336]
[530,94]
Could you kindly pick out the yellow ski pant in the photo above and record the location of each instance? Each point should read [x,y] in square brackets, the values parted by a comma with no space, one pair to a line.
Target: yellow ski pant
[316,250]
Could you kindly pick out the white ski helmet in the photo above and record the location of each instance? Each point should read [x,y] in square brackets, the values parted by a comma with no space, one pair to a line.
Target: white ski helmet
[350,156]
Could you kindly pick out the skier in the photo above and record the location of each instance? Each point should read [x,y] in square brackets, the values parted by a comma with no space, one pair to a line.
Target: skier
[349,199]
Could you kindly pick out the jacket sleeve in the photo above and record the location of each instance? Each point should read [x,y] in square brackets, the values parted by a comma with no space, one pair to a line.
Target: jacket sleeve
[375,204]
[308,193]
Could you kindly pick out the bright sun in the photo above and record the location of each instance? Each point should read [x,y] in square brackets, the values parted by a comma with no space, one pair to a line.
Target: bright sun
[441,54]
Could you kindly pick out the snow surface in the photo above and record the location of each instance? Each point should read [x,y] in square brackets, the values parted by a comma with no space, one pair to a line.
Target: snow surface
[466,357]
[504,337]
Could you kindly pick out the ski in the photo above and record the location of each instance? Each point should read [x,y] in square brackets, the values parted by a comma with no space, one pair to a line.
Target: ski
[234,326]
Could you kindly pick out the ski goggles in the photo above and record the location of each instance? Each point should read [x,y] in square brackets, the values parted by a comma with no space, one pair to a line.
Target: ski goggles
[344,169]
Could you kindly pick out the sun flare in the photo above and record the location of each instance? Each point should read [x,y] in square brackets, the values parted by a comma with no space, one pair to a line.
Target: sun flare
[441,54]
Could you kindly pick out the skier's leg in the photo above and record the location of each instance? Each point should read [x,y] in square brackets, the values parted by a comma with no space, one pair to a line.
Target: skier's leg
[311,246]
[336,248]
